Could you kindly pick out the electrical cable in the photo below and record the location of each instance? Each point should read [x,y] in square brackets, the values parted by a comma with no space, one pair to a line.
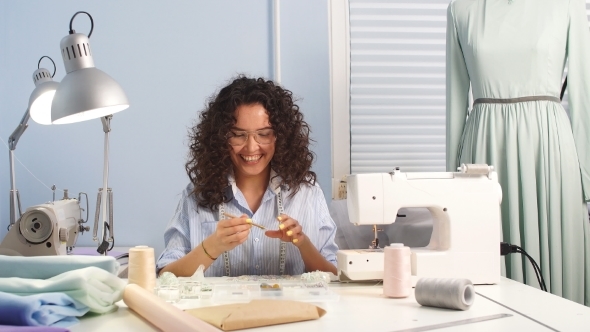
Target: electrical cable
[536,268]
[72,31]
[507,248]
[54,67]
[105,245]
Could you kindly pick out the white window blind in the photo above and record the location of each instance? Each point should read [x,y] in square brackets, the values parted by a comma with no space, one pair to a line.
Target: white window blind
[397,85]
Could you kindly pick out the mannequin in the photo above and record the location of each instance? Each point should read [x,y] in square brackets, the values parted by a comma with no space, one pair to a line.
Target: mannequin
[512,54]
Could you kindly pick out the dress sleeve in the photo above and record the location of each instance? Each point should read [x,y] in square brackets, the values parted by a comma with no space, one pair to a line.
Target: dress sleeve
[578,81]
[177,233]
[457,92]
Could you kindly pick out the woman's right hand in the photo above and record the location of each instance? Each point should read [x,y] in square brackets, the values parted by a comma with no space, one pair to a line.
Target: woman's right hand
[230,233]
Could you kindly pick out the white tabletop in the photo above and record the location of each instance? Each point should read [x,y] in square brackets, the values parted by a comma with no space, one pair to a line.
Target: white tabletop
[362,307]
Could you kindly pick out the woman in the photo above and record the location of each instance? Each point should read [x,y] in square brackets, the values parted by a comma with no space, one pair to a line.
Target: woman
[250,161]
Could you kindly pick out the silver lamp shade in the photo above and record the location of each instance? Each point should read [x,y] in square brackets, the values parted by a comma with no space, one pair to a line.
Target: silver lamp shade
[42,96]
[85,92]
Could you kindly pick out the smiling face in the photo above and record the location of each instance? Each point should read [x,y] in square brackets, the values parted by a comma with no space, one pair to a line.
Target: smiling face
[252,160]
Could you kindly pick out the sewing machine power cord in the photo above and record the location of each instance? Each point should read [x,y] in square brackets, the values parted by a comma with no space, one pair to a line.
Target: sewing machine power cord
[507,248]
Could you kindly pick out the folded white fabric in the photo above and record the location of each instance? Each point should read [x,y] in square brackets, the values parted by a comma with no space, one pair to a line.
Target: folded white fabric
[92,286]
[48,309]
[43,267]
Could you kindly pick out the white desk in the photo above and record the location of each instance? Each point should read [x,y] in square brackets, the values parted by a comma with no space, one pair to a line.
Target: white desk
[362,307]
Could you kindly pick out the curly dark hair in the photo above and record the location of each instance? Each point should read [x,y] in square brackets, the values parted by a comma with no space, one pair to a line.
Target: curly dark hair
[209,161]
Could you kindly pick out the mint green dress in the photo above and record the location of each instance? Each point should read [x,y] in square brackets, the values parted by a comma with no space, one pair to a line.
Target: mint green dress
[519,48]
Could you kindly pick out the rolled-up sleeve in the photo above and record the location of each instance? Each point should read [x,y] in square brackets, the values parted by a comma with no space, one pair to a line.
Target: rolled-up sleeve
[327,228]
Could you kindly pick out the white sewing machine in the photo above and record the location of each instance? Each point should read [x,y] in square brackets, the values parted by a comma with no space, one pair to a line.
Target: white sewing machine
[45,229]
[465,207]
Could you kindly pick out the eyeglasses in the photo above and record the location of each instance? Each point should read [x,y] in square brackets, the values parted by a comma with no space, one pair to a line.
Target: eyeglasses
[240,137]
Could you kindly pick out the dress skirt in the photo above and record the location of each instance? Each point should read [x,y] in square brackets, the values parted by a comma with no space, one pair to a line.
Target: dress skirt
[532,148]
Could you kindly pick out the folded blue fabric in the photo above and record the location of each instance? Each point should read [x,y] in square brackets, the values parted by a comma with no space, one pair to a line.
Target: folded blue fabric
[6,328]
[47,309]
[44,267]
[93,287]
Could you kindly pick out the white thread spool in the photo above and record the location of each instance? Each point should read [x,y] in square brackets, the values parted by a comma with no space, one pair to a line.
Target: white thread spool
[142,267]
[397,272]
[478,169]
[445,293]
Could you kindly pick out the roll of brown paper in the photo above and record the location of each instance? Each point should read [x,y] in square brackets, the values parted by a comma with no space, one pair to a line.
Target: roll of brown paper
[163,315]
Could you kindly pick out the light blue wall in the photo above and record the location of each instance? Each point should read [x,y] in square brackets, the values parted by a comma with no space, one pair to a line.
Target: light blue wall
[169,56]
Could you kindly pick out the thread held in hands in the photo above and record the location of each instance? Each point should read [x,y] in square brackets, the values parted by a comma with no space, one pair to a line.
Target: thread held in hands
[397,272]
[142,267]
[445,293]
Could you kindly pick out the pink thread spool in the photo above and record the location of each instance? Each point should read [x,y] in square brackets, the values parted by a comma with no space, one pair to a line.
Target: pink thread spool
[142,267]
[397,272]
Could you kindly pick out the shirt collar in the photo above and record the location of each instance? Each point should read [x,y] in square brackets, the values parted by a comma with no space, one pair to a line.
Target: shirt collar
[274,185]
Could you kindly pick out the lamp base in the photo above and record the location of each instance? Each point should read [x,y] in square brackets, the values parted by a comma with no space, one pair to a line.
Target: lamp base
[105,242]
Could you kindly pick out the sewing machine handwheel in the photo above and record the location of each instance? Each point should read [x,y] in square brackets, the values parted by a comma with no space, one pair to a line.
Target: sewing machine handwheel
[35,226]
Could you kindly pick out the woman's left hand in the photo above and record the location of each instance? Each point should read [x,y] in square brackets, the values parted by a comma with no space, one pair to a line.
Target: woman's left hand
[289,230]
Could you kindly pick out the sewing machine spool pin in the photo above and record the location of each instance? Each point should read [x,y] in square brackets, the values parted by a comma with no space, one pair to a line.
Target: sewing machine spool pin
[375,242]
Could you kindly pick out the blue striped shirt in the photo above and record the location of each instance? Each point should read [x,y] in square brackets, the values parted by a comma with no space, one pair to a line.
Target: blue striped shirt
[259,255]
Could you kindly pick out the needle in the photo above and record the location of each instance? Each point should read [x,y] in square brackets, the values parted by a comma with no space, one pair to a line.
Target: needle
[253,224]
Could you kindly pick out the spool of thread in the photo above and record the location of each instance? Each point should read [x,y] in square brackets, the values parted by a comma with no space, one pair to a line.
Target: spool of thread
[142,267]
[445,293]
[397,272]
[479,169]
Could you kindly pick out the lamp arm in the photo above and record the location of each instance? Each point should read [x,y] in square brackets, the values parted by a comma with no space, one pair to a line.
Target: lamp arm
[105,207]
[105,204]
[20,129]
[15,208]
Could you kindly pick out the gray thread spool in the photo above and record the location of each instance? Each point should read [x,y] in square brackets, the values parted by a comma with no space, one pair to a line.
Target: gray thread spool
[445,293]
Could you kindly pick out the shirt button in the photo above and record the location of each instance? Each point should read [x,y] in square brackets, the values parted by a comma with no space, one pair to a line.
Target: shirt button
[256,240]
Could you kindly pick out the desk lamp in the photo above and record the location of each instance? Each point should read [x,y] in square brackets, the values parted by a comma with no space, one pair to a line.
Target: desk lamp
[88,93]
[39,110]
